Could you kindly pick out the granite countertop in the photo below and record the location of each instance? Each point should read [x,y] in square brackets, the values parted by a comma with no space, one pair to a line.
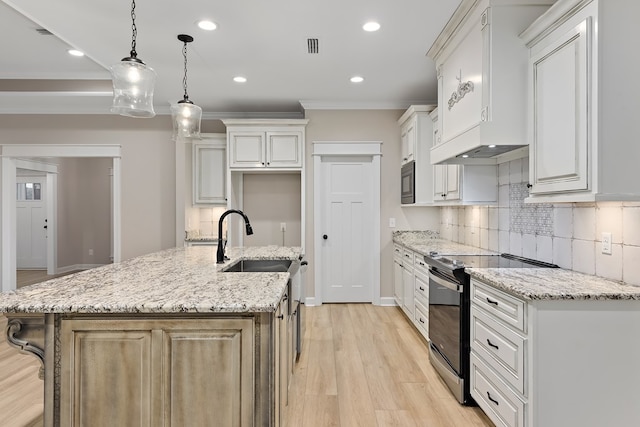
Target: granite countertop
[554,284]
[424,242]
[175,280]
[532,284]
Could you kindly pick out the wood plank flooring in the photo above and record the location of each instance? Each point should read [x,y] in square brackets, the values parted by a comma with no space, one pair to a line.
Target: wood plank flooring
[364,365]
[361,365]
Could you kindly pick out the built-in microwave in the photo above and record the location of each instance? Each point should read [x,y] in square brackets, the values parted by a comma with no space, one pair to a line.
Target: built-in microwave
[408,183]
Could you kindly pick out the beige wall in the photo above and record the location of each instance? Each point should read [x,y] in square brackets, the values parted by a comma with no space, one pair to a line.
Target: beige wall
[367,125]
[268,200]
[84,211]
[148,167]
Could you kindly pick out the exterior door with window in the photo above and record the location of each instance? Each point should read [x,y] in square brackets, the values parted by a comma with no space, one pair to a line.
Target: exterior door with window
[31,222]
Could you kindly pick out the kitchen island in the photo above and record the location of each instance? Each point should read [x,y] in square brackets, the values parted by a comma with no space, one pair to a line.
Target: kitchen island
[162,339]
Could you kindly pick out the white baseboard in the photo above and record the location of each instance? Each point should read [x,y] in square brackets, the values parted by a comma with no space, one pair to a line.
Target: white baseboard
[310,301]
[76,267]
[388,301]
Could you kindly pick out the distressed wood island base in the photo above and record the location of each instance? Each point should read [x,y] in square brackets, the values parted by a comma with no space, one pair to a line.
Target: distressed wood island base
[178,359]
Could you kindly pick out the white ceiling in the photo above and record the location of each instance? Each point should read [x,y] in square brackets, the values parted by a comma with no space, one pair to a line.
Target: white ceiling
[265,41]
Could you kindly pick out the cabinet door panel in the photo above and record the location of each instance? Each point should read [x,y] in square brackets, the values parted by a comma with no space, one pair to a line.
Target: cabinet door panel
[453,182]
[247,149]
[209,174]
[560,96]
[204,371]
[107,380]
[284,149]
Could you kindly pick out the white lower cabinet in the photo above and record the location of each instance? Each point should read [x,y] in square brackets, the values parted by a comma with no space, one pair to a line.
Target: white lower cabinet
[398,286]
[411,287]
[554,362]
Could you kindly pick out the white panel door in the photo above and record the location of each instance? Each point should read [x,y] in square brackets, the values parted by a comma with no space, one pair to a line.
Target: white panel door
[31,237]
[347,200]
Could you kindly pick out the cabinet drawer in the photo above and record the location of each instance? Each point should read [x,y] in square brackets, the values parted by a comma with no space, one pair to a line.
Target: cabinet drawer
[421,318]
[397,252]
[500,403]
[499,304]
[502,348]
[422,288]
[420,265]
[407,258]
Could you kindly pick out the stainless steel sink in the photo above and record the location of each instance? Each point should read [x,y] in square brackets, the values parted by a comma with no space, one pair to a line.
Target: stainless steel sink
[259,266]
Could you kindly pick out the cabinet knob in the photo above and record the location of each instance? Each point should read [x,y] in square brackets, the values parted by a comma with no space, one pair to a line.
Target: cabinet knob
[281,316]
[325,237]
[529,185]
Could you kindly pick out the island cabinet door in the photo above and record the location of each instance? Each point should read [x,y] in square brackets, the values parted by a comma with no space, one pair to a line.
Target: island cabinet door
[157,372]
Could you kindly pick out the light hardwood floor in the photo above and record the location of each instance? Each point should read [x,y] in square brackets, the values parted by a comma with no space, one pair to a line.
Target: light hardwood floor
[365,365]
[361,365]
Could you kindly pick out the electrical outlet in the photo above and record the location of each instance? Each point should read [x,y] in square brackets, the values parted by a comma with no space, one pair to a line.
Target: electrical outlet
[606,243]
[392,222]
[90,252]
[283,226]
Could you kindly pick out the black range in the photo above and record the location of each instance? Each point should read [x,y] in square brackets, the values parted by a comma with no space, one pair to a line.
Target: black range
[449,312]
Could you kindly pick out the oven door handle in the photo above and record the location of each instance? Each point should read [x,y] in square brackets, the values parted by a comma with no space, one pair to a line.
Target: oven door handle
[443,282]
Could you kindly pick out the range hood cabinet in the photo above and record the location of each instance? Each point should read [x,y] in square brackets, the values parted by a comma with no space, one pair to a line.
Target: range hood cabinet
[481,65]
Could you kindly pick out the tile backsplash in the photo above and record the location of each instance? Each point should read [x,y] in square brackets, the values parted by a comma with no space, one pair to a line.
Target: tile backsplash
[567,234]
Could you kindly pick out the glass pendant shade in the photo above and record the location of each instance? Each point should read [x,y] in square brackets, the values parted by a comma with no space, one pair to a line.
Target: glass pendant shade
[133,83]
[186,119]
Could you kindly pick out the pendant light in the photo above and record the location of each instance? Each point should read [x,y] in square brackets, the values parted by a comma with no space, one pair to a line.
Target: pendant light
[133,81]
[186,115]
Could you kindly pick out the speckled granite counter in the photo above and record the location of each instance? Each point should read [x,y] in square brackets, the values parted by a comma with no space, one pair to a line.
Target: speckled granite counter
[424,242]
[554,284]
[172,281]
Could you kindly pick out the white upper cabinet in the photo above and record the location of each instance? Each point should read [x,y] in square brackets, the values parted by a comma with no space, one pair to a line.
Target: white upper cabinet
[481,69]
[210,170]
[416,133]
[265,143]
[583,102]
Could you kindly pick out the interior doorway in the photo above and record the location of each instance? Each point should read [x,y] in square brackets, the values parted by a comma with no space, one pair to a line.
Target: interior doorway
[347,225]
[32,223]
[13,157]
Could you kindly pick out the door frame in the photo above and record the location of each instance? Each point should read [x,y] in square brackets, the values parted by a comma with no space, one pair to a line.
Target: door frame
[51,197]
[347,149]
[13,154]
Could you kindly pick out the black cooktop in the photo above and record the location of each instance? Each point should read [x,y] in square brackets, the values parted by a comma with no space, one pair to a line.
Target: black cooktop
[454,262]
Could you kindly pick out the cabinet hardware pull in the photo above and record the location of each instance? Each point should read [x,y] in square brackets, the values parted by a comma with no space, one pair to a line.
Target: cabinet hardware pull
[490,301]
[285,297]
[421,288]
[421,321]
[529,185]
[281,316]
[295,312]
[492,399]
[492,344]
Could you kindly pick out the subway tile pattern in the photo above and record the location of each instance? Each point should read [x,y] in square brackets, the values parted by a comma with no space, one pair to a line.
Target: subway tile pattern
[566,234]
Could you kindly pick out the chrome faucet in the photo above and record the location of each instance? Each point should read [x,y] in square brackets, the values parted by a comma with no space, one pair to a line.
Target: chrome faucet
[221,242]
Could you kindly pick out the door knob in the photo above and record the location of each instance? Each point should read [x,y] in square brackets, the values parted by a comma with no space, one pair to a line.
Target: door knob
[325,237]
[45,226]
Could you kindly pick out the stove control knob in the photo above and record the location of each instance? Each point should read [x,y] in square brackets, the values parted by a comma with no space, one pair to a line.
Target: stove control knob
[433,253]
[457,263]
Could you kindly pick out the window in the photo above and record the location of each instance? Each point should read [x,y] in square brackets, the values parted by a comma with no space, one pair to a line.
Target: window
[29,191]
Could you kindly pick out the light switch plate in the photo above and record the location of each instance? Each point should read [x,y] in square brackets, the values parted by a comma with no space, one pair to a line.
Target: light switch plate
[392,222]
[606,243]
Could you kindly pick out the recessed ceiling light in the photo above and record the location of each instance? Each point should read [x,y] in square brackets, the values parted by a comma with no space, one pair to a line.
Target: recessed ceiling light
[371,26]
[207,25]
[239,79]
[464,156]
[75,52]
[357,79]
[492,146]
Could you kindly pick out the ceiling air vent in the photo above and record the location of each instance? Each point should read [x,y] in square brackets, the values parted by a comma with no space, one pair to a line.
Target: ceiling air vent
[312,45]
[44,32]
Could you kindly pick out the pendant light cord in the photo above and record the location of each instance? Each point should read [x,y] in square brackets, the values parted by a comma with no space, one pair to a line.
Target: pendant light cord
[184,79]
[134,29]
